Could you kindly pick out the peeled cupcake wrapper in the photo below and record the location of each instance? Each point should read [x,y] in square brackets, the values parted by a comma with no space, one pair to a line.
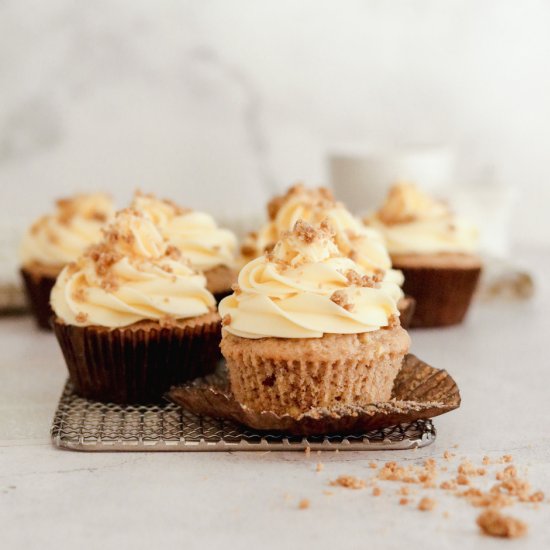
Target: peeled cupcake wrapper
[38,288]
[136,365]
[443,295]
[419,392]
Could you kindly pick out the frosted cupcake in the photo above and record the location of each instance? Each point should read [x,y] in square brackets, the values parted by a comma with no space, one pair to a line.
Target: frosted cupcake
[132,316]
[209,248]
[354,240]
[435,250]
[57,239]
[307,327]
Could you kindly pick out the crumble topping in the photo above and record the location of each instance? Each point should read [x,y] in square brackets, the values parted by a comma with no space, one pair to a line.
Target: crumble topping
[494,524]
[226,321]
[340,298]
[349,482]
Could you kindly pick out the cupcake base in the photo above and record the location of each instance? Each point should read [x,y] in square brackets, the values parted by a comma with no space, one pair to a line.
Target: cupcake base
[38,286]
[292,376]
[138,363]
[219,280]
[442,285]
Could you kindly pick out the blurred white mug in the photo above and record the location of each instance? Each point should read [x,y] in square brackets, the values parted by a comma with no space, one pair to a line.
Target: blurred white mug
[361,177]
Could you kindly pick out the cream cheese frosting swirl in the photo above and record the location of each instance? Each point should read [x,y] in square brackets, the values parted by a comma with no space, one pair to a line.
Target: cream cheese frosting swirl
[413,222]
[363,244]
[196,234]
[134,274]
[59,238]
[305,288]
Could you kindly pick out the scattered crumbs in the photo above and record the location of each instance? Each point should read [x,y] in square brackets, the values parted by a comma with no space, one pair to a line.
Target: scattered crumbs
[304,504]
[320,467]
[328,493]
[486,460]
[447,455]
[507,458]
[403,501]
[461,479]
[376,491]
[349,482]
[404,491]
[373,465]
[446,514]
[455,446]
[307,450]
[494,524]
[426,504]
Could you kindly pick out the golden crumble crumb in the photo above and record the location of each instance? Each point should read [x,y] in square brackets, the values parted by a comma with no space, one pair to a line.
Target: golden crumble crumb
[486,460]
[320,467]
[426,504]
[403,501]
[507,458]
[328,493]
[373,465]
[340,298]
[494,524]
[404,491]
[376,491]
[447,455]
[349,482]
[461,479]
[304,504]
[81,317]
[226,320]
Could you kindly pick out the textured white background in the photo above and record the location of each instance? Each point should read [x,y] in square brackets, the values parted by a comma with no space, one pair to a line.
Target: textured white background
[218,103]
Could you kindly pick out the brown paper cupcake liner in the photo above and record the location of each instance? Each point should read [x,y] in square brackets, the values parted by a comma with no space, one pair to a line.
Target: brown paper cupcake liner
[419,392]
[443,295]
[38,289]
[136,365]
[406,306]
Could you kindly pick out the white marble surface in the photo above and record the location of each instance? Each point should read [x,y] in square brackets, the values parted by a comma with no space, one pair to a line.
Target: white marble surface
[210,102]
[60,499]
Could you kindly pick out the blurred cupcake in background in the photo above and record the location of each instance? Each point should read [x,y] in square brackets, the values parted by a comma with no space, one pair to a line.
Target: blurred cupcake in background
[57,239]
[209,248]
[354,240]
[435,250]
[133,317]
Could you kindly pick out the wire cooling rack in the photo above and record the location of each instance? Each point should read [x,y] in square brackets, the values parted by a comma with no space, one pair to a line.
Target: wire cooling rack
[83,425]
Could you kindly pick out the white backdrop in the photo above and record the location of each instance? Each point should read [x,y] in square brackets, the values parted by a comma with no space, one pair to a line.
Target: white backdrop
[217,104]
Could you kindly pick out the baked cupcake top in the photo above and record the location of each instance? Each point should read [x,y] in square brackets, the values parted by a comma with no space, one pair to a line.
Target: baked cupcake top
[362,244]
[133,274]
[413,222]
[196,234]
[305,288]
[59,238]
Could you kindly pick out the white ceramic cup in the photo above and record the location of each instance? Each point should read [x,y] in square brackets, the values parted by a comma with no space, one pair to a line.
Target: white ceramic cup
[361,177]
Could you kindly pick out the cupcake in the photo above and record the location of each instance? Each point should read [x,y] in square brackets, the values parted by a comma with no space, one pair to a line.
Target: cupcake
[132,316]
[308,328]
[362,244]
[57,239]
[209,248]
[435,250]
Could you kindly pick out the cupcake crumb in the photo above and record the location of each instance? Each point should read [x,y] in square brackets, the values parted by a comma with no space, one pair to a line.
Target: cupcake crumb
[426,504]
[320,467]
[376,491]
[403,501]
[507,458]
[373,465]
[304,504]
[226,320]
[349,482]
[494,524]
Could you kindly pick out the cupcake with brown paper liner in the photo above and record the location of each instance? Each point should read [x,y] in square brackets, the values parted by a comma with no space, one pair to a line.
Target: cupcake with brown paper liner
[362,244]
[209,248]
[57,239]
[308,327]
[435,250]
[133,317]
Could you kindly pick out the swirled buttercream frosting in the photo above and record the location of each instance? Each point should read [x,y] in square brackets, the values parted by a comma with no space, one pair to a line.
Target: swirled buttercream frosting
[413,222]
[304,288]
[59,238]
[363,244]
[196,234]
[133,274]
